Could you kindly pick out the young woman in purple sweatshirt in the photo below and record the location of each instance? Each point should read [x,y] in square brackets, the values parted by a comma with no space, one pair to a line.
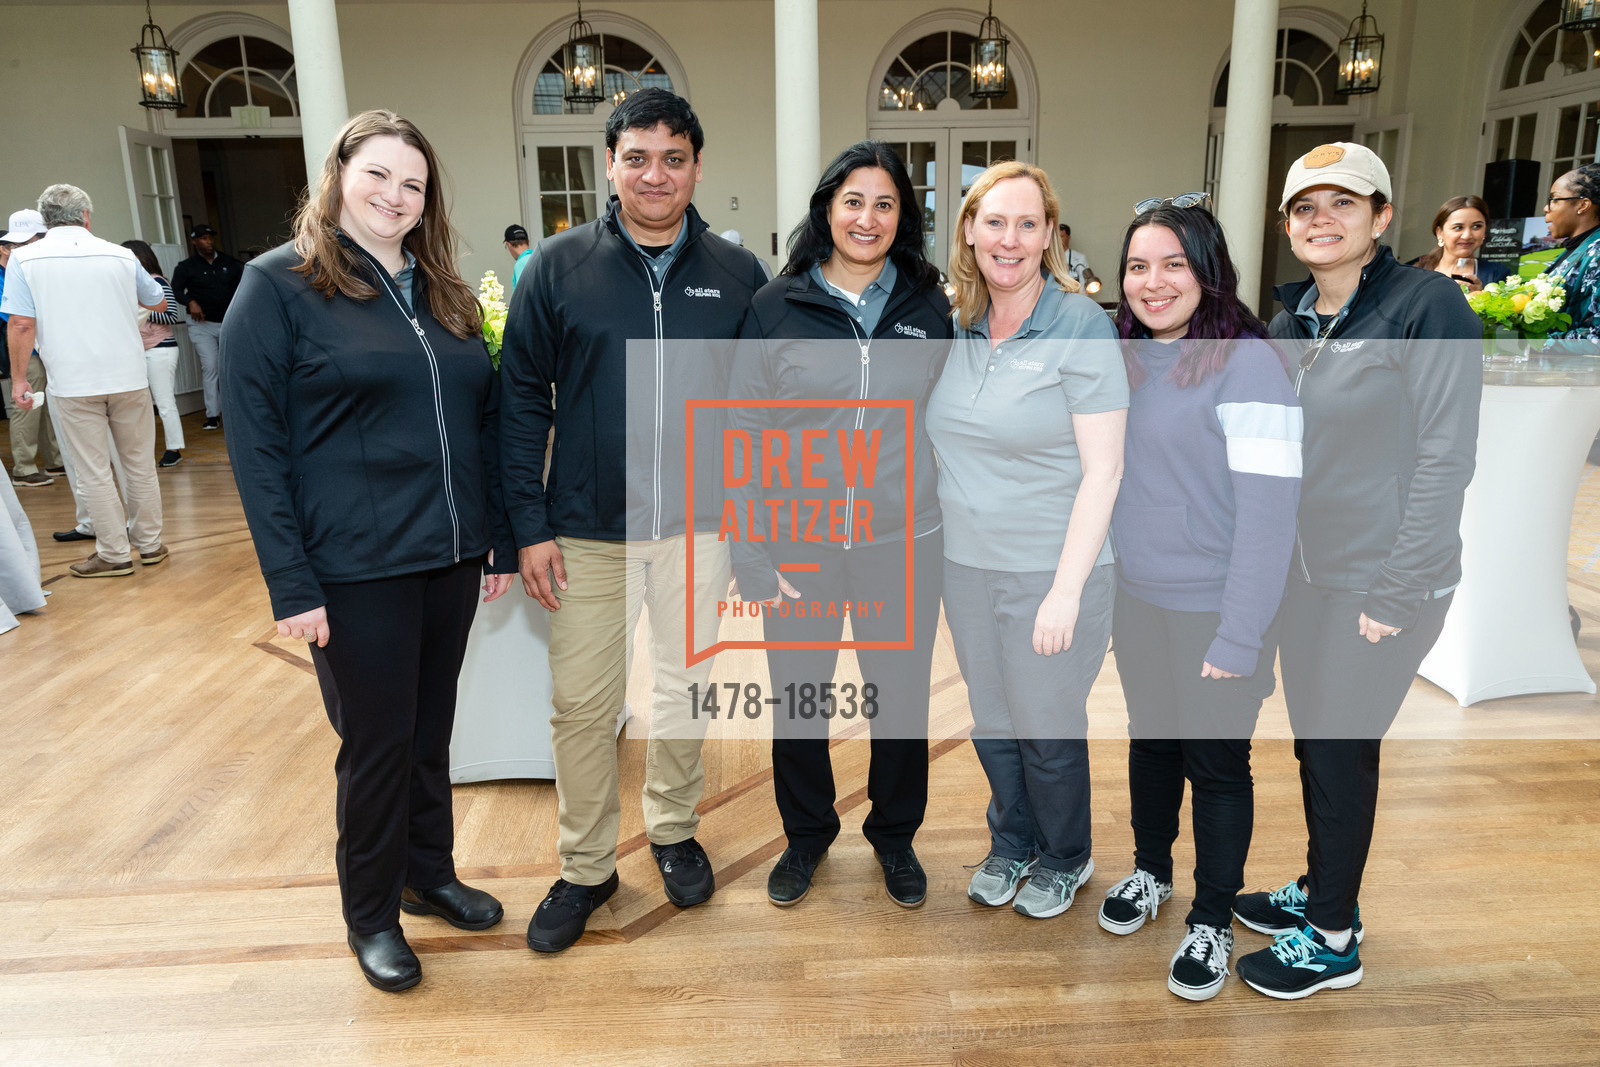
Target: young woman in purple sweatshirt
[1204,526]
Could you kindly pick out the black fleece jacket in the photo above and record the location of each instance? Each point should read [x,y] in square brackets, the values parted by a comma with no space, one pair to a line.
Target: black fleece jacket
[1391,399]
[779,359]
[596,347]
[362,435]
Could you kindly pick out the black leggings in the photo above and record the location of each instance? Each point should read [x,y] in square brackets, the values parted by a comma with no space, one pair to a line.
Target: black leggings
[802,769]
[1343,693]
[1182,727]
[388,680]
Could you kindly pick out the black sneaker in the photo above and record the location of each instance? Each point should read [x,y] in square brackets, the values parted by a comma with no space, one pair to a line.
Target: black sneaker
[1133,900]
[685,872]
[211,424]
[790,879]
[1201,962]
[1281,911]
[903,878]
[170,458]
[559,919]
[1298,964]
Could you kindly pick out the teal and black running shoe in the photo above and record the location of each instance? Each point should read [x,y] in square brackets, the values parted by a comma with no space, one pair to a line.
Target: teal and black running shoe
[1298,964]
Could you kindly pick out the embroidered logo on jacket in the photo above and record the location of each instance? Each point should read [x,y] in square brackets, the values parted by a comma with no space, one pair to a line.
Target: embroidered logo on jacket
[1346,346]
[695,290]
[1025,364]
[910,331]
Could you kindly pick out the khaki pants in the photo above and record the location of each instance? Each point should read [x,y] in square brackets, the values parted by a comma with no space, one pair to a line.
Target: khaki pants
[33,443]
[84,422]
[591,645]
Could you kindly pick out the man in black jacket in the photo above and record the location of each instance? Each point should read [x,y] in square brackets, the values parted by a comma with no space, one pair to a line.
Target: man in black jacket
[204,284]
[606,532]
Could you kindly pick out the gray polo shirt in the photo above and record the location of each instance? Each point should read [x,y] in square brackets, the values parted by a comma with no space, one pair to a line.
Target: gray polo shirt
[867,308]
[1001,424]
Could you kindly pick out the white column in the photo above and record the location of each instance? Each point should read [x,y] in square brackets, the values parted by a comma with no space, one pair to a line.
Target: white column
[319,72]
[799,114]
[1247,140]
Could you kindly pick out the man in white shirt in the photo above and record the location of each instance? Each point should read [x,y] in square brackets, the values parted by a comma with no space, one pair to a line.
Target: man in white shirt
[77,297]
[1077,265]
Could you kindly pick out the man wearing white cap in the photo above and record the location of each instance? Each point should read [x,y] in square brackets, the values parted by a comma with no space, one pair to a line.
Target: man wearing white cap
[33,444]
[78,294]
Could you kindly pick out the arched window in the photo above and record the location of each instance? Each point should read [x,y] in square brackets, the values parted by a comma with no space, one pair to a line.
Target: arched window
[1304,74]
[920,102]
[239,71]
[629,68]
[1546,105]
[932,69]
[238,78]
[561,150]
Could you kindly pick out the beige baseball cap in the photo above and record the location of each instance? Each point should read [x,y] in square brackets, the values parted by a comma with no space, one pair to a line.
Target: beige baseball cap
[1349,166]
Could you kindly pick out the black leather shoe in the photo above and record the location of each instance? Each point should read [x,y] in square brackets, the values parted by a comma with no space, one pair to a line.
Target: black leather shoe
[903,878]
[790,880]
[459,905]
[559,919]
[72,535]
[685,872]
[386,959]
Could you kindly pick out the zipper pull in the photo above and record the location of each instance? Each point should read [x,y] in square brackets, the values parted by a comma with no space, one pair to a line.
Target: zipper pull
[865,358]
[415,325]
[658,299]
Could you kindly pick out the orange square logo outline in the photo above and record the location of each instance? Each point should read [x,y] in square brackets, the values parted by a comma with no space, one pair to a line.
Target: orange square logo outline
[691,656]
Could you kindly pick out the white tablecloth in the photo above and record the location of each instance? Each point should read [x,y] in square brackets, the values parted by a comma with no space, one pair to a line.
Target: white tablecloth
[503,699]
[1508,632]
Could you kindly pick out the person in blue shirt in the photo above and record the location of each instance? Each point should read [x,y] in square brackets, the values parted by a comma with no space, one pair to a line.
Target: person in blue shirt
[519,248]
[1204,527]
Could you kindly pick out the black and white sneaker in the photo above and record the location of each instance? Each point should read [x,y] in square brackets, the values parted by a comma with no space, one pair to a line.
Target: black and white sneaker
[1282,911]
[1201,962]
[686,872]
[1133,900]
[170,458]
[561,917]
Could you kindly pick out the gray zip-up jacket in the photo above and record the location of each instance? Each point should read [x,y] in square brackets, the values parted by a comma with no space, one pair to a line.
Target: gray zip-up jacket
[1390,390]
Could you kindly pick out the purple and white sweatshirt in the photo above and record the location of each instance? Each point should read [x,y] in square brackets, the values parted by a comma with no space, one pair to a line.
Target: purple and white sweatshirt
[1205,519]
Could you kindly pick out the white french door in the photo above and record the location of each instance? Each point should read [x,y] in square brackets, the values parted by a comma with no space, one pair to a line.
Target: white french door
[564,181]
[944,162]
[158,221]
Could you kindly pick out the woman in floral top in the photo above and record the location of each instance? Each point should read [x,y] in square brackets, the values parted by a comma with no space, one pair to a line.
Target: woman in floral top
[1573,215]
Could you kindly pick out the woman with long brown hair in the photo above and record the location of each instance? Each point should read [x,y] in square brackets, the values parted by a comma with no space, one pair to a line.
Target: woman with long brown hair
[1459,230]
[361,425]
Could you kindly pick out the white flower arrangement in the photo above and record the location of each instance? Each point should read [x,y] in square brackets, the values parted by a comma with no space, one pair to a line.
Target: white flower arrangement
[492,298]
[1530,307]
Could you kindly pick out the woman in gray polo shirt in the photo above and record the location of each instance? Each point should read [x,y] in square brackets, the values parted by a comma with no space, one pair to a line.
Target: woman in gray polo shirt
[1027,420]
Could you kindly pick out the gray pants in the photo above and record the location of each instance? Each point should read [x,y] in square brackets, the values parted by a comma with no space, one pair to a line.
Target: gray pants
[1029,712]
[207,338]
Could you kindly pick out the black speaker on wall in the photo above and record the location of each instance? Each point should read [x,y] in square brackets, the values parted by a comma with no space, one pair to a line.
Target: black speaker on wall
[1511,188]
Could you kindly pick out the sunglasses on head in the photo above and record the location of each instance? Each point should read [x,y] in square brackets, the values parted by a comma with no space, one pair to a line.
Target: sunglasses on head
[1181,200]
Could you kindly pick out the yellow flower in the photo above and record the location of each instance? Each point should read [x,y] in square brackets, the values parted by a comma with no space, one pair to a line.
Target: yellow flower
[1519,302]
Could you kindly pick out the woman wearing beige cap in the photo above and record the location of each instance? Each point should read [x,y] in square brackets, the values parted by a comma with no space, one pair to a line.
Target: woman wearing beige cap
[1389,379]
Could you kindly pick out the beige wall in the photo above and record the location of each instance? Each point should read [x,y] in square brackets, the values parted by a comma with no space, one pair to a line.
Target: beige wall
[1122,114]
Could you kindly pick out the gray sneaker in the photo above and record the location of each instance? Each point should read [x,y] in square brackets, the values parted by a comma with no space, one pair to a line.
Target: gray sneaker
[1049,892]
[996,881]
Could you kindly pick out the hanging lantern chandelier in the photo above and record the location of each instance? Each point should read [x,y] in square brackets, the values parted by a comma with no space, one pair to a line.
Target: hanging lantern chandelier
[1360,56]
[158,67]
[583,64]
[991,78]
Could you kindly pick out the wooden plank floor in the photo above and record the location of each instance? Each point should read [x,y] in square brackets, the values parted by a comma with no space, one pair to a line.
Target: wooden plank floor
[169,896]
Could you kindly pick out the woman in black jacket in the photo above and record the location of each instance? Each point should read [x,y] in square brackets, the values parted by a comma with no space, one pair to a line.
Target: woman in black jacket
[856,318]
[1389,375]
[361,437]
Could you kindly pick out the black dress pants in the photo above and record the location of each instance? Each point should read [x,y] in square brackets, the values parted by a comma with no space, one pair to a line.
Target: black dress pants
[1343,693]
[388,678]
[802,769]
[1183,726]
